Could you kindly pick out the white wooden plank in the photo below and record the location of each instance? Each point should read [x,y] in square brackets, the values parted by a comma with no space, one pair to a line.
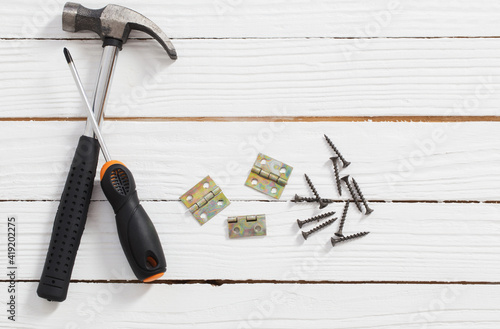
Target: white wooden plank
[260,306]
[391,161]
[408,242]
[261,18]
[309,77]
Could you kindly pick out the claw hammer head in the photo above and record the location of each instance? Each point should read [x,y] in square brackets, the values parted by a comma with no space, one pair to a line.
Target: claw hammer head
[113,22]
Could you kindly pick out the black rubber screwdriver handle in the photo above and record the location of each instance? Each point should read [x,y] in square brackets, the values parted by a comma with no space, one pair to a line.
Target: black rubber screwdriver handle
[138,236]
[70,222]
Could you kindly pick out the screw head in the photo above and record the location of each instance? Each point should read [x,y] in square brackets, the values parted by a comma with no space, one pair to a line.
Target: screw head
[322,204]
[334,159]
[368,211]
[345,178]
[340,235]
[304,234]
[334,241]
[297,198]
[299,223]
[345,164]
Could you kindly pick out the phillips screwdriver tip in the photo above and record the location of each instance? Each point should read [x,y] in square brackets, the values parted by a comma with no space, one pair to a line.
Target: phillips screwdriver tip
[69,59]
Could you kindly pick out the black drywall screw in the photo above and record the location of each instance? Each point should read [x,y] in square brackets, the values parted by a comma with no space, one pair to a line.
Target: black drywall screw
[297,198]
[322,204]
[319,227]
[346,238]
[358,190]
[336,170]
[353,194]
[345,163]
[342,220]
[315,218]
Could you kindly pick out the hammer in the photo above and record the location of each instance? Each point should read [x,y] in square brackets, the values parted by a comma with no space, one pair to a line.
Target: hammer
[113,24]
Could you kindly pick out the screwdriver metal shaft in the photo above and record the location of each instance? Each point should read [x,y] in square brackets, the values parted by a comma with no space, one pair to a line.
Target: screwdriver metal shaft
[90,113]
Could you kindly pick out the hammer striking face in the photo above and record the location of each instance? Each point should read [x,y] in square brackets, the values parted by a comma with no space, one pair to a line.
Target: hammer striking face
[113,22]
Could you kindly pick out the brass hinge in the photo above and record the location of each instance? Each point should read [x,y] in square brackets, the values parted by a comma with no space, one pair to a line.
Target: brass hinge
[243,226]
[269,176]
[205,200]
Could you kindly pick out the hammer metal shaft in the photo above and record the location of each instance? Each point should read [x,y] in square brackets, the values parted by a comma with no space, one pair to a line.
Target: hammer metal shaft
[104,77]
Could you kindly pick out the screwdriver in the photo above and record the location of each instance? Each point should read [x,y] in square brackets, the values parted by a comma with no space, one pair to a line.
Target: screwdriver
[138,236]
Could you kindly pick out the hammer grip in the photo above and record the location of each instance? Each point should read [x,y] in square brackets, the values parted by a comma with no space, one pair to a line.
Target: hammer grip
[70,222]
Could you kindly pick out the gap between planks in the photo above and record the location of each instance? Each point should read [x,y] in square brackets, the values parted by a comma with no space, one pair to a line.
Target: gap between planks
[437,118]
[264,38]
[282,201]
[220,282]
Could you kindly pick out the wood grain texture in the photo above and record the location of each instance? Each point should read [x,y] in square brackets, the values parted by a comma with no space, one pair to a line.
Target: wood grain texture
[261,306]
[260,78]
[261,18]
[391,161]
[408,242]
[271,77]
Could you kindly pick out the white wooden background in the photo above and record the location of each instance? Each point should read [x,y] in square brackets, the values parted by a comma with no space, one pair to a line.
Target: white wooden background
[409,91]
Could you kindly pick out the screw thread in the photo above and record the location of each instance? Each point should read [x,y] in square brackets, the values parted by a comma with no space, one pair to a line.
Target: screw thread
[345,163]
[313,189]
[336,171]
[319,227]
[353,193]
[358,190]
[365,203]
[342,219]
[310,199]
[320,201]
[349,237]
[315,218]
